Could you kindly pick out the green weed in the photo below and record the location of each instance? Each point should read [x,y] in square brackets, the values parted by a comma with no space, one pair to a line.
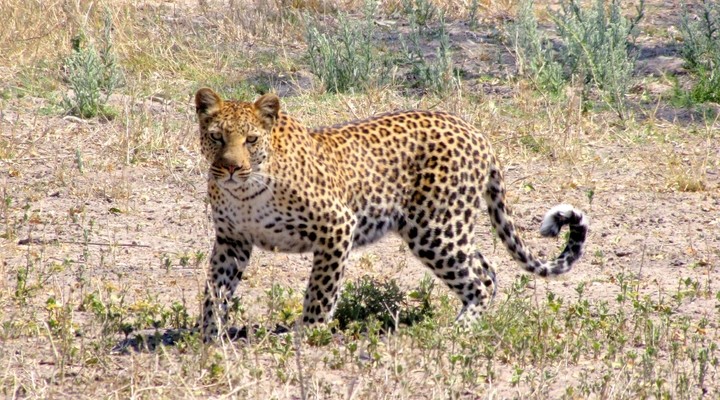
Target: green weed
[597,48]
[383,301]
[435,74]
[701,51]
[534,53]
[421,14]
[283,304]
[92,74]
[346,60]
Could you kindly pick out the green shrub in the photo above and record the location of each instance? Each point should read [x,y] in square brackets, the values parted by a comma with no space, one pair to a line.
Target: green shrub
[598,47]
[92,74]
[347,59]
[533,52]
[473,9]
[420,13]
[367,299]
[350,59]
[595,49]
[436,74]
[701,51]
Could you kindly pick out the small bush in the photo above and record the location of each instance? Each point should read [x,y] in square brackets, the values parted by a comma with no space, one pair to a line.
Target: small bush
[284,307]
[473,9]
[701,51]
[421,14]
[533,52]
[595,49]
[433,74]
[368,298]
[598,47]
[92,75]
[347,59]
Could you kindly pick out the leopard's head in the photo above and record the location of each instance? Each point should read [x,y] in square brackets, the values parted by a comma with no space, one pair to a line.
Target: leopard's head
[235,135]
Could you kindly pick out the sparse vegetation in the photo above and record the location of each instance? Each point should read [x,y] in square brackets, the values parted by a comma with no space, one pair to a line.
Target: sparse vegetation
[105,232]
[421,14]
[92,73]
[534,52]
[352,57]
[595,50]
[384,302]
[434,73]
[598,48]
[701,51]
[347,59]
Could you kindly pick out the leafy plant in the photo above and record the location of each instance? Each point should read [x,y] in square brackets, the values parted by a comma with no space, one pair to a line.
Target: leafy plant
[347,59]
[92,74]
[598,48]
[421,13]
[368,298]
[595,49]
[533,51]
[701,51]
[284,306]
[473,9]
[432,73]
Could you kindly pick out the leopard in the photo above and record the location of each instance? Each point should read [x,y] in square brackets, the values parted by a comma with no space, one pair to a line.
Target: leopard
[275,184]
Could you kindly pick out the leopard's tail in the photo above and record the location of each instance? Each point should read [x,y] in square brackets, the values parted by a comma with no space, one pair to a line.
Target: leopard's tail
[554,220]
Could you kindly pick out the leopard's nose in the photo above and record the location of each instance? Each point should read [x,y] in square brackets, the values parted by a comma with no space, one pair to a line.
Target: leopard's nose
[231,168]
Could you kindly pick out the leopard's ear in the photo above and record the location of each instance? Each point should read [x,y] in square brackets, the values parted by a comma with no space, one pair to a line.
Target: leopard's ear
[207,102]
[267,108]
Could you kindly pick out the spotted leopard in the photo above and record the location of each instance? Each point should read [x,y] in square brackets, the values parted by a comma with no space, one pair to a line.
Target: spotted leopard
[275,184]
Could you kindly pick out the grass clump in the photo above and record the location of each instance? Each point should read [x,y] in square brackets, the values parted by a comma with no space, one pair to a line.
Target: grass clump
[598,48]
[92,74]
[435,74]
[533,52]
[701,51]
[346,60]
[370,299]
[595,50]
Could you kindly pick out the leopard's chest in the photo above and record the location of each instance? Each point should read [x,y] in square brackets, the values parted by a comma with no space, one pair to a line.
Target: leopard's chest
[259,217]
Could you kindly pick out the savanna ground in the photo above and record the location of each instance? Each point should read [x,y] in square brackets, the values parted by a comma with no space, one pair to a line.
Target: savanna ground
[105,229]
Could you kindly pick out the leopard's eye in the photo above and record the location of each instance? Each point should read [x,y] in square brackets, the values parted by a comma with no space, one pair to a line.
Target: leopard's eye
[251,139]
[217,137]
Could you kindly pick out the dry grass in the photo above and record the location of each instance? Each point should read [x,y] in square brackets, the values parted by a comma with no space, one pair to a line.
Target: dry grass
[104,224]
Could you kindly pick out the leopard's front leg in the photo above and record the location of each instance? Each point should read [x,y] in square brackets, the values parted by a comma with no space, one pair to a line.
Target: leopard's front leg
[330,256]
[229,258]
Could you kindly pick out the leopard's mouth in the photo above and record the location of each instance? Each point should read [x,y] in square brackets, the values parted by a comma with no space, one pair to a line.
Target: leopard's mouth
[235,178]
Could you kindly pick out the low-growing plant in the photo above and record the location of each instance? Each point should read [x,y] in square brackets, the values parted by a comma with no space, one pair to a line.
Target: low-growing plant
[598,47]
[595,49]
[350,59]
[701,51]
[368,298]
[149,313]
[435,73]
[319,336]
[473,9]
[62,332]
[179,318]
[284,306]
[421,13]
[534,52]
[92,74]
[347,59]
